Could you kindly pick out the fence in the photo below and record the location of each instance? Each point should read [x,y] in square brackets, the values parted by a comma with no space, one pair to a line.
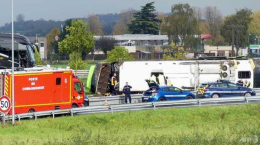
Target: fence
[140,106]
[81,73]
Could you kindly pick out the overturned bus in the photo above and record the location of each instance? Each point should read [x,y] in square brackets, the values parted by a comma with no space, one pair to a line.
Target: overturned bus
[23,51]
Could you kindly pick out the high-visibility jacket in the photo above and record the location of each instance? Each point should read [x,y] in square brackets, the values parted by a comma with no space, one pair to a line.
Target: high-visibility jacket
[247,84]
[161,80]
[169,83]
[153,78]
[113,81]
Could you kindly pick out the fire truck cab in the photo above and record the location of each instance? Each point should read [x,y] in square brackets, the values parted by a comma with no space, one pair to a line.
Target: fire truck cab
[42,89]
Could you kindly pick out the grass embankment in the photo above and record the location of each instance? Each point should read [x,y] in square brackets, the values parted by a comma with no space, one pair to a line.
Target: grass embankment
[206,125]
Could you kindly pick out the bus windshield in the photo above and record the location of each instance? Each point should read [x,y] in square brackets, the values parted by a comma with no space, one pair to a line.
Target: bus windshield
[30,50]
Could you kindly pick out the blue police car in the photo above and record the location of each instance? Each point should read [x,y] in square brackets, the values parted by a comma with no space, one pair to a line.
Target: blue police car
[163,93]
[223,89]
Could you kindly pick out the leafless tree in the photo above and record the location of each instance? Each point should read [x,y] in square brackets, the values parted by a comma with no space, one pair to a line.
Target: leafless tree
[198,12]
[125,18]
[105,44]
[94,25]
[213,18]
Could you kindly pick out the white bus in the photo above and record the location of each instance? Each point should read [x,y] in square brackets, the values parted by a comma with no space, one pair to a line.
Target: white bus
[188,74]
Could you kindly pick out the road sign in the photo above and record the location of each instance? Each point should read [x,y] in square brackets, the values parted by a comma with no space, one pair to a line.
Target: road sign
[5,104]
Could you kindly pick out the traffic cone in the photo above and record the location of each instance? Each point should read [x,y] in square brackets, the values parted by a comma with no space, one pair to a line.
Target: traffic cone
[106,101]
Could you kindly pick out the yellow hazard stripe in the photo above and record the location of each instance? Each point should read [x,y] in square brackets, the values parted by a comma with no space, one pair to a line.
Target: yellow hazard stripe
[6,85]
[42,104]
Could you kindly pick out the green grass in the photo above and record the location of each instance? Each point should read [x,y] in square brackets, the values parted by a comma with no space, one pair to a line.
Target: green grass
[64,64]
[206,125]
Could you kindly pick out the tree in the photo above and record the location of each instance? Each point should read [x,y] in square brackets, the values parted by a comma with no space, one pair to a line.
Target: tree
[77,41]
[37,56]
[213,18]
[254,26]
[125,18]
[145,21]
[64,32]
[181,23]
[237,25]
[52,44]
[173,53]
[198,13]
[105,44]
[94,25]
[161,17]
[20,18]
[118,54]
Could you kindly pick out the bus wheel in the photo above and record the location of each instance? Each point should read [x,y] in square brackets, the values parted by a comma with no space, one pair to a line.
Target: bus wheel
[31,111]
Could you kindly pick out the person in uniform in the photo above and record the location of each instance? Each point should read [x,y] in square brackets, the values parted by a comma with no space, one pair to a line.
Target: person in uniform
[240,83]
[161,80]
[127,92]
[168,82]
[113,83]
[247,84]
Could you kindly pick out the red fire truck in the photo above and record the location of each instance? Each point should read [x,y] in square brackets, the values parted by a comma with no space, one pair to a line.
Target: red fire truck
[41,89]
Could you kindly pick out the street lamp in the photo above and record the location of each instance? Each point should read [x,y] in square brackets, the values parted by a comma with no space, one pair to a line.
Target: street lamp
[12,62]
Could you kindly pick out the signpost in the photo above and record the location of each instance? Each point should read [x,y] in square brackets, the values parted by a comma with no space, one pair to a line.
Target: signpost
[5,106]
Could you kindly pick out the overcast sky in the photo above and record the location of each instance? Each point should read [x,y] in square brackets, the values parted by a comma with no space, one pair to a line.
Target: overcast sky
[64,9]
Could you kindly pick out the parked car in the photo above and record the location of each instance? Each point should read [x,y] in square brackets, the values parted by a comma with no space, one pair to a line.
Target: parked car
[164,93]
[223,89]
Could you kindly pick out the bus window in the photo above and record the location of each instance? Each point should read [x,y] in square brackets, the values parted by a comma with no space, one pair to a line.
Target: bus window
[244,74]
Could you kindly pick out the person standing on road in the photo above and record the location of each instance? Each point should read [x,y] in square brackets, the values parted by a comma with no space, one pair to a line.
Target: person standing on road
[240,83]
[127,92]
[113,83]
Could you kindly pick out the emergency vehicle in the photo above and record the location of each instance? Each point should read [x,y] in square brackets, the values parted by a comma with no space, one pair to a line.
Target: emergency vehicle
[42,88]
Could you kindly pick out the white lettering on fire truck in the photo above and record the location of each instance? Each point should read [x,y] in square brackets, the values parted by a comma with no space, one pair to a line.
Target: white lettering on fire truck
[33,79]
[33,88]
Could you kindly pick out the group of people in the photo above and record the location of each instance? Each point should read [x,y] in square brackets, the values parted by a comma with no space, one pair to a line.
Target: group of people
[243,84]
[163,81]
[126,89]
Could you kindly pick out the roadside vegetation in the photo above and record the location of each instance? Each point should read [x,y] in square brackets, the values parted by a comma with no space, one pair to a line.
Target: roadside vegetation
[205,125]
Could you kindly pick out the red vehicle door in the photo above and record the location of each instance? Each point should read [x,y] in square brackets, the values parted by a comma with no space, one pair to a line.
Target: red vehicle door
[57,87]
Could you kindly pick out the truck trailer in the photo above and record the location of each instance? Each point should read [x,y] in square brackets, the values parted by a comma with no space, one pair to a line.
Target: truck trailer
[42,88]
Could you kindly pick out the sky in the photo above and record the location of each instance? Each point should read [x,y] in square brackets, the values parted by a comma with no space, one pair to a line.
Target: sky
[65,9]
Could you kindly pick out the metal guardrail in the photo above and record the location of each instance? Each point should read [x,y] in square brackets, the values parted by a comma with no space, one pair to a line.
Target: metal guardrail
[81,73]
[120,99]
[140,106]
[113,100]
